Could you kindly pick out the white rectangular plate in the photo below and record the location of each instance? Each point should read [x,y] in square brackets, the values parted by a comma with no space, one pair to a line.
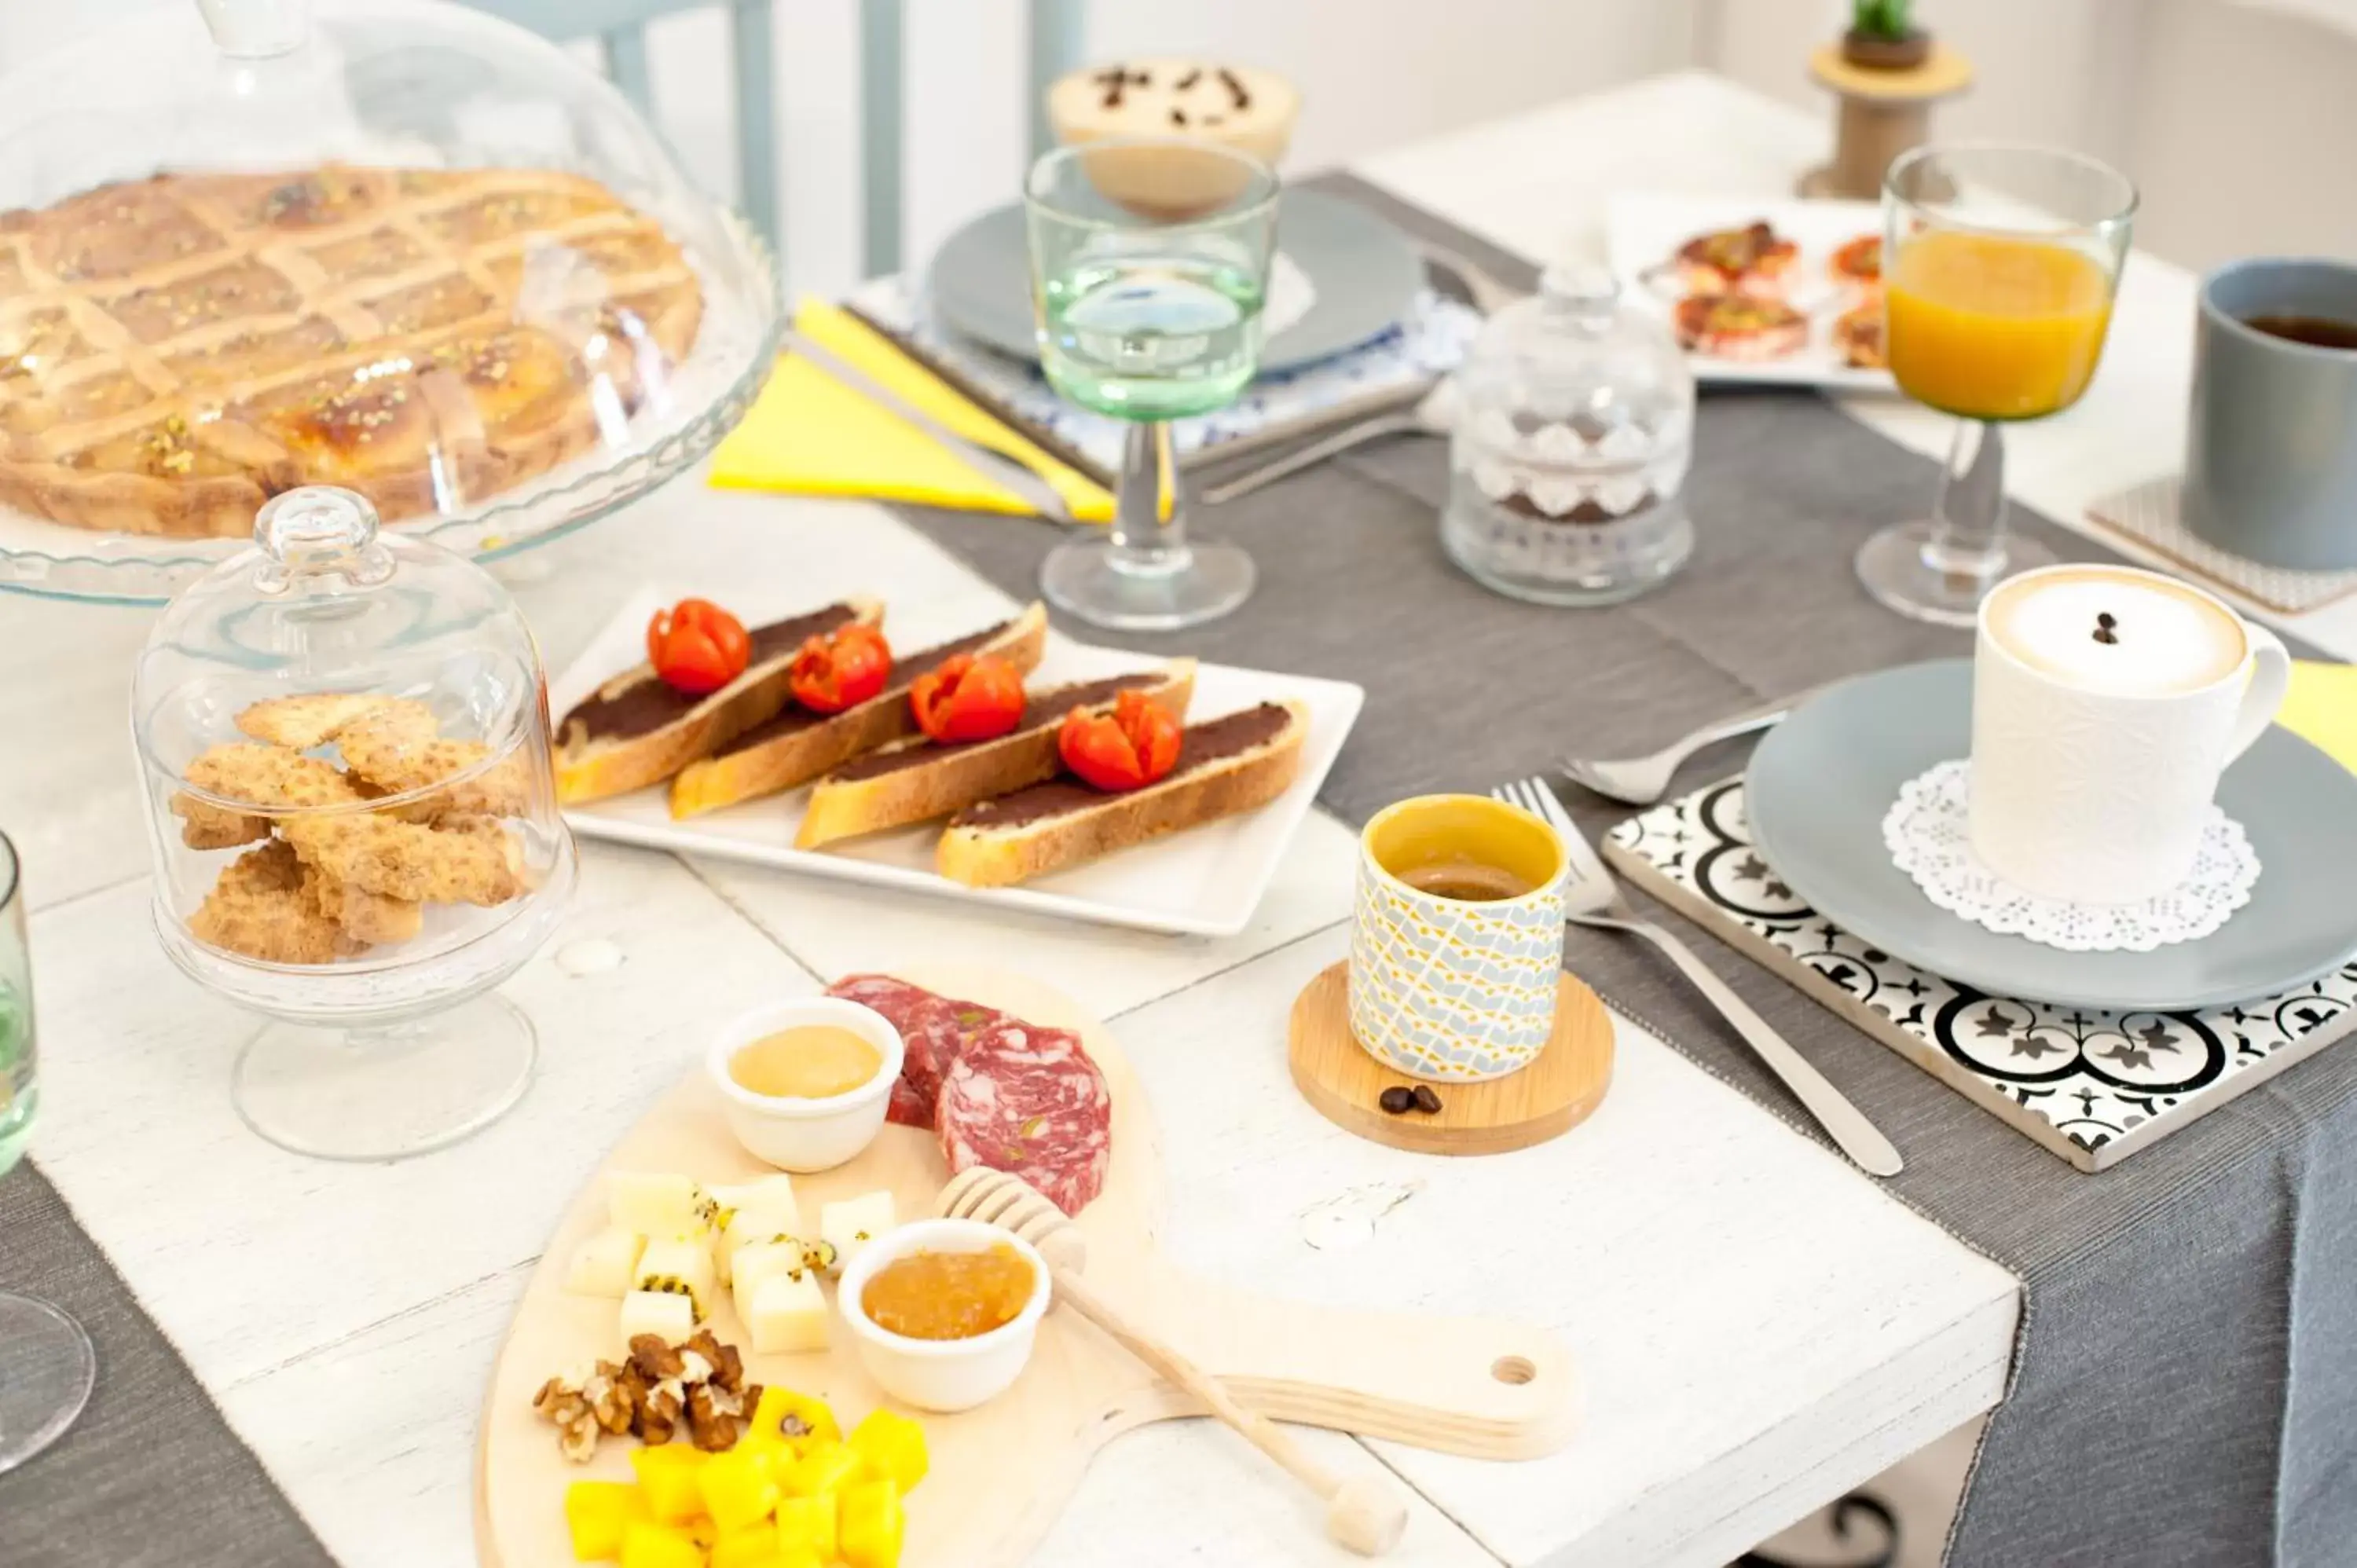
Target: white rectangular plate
[1206,881]
[1644,231]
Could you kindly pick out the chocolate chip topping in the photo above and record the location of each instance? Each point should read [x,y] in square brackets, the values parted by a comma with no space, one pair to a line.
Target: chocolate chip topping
[793,718]
[1178,117]
[645,706]
[1235,87]
[1194,74]
[1041,710]
[1200,746]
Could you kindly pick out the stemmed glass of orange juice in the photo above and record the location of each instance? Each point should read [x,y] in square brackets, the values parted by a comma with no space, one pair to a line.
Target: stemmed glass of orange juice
[1998,271]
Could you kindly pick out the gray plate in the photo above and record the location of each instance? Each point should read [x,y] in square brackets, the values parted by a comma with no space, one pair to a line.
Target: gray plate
[1364,270]
[1820,782]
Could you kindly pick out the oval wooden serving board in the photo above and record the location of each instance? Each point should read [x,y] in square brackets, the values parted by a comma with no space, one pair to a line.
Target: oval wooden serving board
[1485,1387]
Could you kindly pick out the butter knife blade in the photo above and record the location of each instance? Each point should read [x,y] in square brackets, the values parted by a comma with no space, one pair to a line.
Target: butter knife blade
[1002,469]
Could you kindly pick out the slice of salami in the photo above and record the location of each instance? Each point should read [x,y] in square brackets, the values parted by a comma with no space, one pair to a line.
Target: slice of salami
[1029,1101]
[933,1029]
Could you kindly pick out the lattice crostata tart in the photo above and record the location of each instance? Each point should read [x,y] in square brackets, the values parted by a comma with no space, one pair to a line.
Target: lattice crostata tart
[176,350]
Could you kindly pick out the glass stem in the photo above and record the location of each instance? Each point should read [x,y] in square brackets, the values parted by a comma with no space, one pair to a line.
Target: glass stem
[1968,525]
[1143,541]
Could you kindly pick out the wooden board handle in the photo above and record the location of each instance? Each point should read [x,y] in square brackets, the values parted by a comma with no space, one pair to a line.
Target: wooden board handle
[1483,1387]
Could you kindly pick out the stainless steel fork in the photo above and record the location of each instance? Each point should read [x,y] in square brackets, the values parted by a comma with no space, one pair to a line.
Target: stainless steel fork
[1593,898]
[1641,781]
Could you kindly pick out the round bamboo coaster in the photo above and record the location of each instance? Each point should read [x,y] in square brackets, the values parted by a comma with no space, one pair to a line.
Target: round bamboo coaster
[1549,1096]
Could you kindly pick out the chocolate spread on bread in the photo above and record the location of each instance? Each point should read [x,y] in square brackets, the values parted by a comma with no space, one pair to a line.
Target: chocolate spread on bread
[1041,710]
[793,717]
[1200,746]
[645,706]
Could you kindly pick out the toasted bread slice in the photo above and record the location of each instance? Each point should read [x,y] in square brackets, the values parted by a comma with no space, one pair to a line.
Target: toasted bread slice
[795,745]
[1226,765]
[634,730]
[918,779]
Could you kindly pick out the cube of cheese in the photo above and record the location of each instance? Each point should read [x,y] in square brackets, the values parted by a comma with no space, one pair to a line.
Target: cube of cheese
[657,1204]
[683,1267]
[789,1312]
[606,1264]
[757,1211]
[850,1225]
[669,1317]
[763,1261]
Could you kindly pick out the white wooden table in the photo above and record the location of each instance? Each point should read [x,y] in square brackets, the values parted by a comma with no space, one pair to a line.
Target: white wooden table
[1760,1327]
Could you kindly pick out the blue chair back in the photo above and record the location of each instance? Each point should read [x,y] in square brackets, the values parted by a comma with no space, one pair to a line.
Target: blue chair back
[619,25]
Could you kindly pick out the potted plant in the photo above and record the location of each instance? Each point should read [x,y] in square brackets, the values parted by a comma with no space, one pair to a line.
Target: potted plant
[1883,35]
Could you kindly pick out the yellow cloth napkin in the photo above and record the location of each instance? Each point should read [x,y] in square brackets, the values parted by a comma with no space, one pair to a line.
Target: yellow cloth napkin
[2321,708]
[811,435]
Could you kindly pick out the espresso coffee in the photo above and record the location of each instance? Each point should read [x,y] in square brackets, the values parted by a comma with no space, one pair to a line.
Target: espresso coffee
[1466,881]
[2117,632]
[2321,331]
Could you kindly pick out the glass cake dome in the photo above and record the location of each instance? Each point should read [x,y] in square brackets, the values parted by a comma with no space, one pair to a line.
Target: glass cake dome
[395,246]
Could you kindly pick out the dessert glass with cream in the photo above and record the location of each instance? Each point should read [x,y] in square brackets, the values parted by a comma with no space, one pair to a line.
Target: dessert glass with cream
[2107,701]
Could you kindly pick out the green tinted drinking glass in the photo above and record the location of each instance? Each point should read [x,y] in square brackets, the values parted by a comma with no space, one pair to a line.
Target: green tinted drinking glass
[1150,261]
[47,1366]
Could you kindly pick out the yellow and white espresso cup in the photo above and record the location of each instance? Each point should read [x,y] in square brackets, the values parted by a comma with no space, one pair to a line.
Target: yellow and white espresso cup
[1456,989]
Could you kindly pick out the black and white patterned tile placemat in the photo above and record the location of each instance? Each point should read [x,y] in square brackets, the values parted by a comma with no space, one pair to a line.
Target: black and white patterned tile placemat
[2092,1086]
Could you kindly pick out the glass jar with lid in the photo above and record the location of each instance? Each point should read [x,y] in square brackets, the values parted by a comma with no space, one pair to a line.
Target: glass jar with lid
[344,744]
[1574,433]
[407,249]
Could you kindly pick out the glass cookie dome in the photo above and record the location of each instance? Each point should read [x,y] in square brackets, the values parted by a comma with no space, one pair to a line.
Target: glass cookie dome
[395,246]
[1571,447]
[344,749]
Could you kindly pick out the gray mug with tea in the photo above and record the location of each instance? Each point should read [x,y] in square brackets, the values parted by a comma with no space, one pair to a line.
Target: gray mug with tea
[2271,457]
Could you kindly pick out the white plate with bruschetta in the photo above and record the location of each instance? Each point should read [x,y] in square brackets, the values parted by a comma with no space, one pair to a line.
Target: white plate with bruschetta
[743,772]
[1759,292]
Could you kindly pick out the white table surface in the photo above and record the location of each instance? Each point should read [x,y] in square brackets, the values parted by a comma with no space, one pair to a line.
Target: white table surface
[1758,1326]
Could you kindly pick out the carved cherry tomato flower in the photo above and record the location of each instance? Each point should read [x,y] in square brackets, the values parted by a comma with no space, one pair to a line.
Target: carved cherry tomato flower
[697,647]
[1128,748]
[838,670]
[967,698]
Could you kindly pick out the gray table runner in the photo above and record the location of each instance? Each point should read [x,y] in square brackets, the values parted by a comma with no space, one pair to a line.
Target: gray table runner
[2185,1388]
[151,1476]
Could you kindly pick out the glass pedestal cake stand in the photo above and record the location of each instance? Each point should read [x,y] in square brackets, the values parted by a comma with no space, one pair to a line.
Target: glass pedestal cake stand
[249,237]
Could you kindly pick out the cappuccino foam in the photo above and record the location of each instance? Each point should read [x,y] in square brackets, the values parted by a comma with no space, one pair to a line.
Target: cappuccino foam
[2104,629]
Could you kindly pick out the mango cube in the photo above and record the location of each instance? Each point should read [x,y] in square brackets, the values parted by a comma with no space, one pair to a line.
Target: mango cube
[797,1560]
[806,1525]
[648,1545]
[893,1446]
[737,1488]
[870,1525]
[783,1416]
[754,1548]
[598,1513]
[667,1475]
[818,1470]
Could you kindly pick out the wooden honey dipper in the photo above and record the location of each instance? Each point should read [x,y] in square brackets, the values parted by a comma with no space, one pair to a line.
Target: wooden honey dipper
[1363,1513]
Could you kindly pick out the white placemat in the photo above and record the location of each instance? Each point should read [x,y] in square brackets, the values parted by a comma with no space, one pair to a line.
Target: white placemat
[2149,513]
[2090,1085]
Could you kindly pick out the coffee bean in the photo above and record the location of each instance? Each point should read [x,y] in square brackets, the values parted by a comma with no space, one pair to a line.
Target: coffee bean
[1427,1100]
[1398,1099]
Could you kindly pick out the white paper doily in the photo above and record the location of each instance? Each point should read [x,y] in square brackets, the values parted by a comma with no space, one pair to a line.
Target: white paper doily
[1926,832]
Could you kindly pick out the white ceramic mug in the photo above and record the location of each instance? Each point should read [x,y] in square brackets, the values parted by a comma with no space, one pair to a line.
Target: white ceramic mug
[2107,701]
